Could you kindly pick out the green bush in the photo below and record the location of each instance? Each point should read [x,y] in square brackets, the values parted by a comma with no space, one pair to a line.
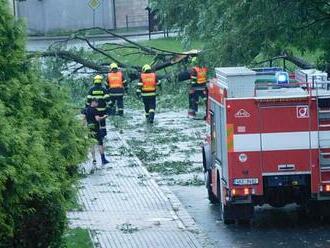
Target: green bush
[41,144]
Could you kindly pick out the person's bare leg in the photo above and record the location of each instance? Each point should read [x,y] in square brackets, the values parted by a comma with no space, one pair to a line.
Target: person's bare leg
[101,150]
[93,153]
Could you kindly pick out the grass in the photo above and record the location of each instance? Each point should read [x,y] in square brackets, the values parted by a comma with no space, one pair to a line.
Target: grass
[77,237]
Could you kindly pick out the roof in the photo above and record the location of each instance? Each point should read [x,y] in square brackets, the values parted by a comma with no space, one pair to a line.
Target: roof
[235,71]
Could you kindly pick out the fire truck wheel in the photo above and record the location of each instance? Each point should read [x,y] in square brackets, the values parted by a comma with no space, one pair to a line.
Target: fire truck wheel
[245,222]
[243,213]
[212,198]
[225,216]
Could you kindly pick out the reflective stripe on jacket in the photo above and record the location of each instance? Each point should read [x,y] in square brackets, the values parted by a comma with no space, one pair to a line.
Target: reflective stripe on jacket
[99,93]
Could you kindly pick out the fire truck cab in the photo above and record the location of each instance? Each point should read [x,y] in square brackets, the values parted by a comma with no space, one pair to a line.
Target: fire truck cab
[269,140]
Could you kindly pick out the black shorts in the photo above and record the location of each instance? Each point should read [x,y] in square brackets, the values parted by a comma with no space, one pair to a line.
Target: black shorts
[99,136]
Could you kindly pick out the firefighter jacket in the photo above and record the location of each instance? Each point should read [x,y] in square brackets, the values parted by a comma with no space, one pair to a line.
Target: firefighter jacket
[148,84]
[198,77]
[101,94]
[116,83]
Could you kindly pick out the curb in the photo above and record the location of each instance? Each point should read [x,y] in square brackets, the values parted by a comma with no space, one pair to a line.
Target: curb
[188,223]
[104,36]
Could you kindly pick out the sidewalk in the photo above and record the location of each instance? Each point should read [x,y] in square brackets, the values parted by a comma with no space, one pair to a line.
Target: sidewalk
[124,207]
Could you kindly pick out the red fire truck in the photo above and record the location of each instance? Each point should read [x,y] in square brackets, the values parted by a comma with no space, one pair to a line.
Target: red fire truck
[269,140]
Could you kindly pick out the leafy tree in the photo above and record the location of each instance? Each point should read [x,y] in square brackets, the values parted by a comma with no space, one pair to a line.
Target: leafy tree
[41,144]
[236,32]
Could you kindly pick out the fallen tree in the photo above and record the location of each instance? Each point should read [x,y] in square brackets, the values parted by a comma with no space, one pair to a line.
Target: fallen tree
[162,59]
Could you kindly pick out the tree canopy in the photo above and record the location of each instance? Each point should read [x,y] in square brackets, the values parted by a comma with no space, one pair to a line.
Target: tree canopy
[41,144]
[237,32]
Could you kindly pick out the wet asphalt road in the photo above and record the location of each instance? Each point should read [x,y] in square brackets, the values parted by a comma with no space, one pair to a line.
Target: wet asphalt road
[283,227]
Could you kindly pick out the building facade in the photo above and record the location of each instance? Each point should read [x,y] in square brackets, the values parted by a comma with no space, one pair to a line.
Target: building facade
[44,16]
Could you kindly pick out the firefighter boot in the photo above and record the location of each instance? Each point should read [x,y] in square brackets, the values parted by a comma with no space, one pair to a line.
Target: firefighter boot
[191,113]
[104,160]
[147,116]
[121,112]
[151,116]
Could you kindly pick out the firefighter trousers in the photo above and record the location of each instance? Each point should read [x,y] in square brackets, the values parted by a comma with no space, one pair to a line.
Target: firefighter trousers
[149,107]
[116,105]
[194,96]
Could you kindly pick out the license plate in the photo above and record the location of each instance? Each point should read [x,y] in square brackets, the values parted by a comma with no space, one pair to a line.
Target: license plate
[246,181]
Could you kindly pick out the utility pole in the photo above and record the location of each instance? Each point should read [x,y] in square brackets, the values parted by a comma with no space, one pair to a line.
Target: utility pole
[114,14]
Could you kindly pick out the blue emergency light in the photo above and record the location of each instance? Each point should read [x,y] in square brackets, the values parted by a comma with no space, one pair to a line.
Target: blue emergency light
[282,77]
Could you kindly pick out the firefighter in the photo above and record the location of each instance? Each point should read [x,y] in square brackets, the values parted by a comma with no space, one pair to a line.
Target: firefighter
[147,88]
[99,92]
[117,85]
[93,119]
[198,87]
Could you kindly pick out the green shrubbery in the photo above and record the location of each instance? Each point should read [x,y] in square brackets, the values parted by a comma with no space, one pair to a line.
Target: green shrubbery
[41,143]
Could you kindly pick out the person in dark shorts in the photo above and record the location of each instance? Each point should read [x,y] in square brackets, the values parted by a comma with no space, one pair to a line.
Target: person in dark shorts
[93,120]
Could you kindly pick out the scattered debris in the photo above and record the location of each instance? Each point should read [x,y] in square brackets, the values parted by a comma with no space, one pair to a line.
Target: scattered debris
[127,228]
[195,181]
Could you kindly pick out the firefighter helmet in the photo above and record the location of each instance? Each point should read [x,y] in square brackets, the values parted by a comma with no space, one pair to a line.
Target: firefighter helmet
[194,61]
[98,79]
[146,68]
[113,66]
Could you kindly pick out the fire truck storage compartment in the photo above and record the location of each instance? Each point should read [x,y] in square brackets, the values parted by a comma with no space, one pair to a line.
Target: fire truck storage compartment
[285,136]
[285,145]
[239,81]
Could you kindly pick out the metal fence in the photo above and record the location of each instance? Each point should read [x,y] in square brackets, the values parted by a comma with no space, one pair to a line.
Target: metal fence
[136,21]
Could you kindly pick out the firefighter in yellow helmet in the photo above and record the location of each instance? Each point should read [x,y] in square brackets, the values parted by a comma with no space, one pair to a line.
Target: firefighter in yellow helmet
[198,87]
[147,88]
[116,84]
[100,93]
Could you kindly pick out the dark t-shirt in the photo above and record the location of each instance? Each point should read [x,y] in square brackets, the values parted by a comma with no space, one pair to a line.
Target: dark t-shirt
[90,114]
